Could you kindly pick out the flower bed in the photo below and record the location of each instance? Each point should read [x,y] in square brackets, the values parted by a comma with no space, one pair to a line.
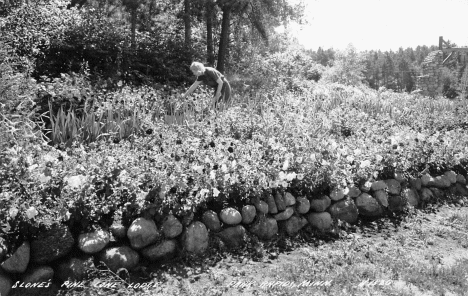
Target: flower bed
[332,154]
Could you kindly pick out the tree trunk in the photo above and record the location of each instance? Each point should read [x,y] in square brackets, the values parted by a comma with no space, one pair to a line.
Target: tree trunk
[224,41]
[134,19]
[188,25]
[209,33]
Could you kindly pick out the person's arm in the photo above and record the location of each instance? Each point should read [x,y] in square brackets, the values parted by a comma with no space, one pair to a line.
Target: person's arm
[191,89]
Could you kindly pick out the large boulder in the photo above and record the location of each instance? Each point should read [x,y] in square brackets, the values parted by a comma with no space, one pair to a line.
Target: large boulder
[416,183]
[302,205]
[438,193]
[426,194]
[337,194]
[344,210]
[270,200]
[261,206]
[393,186]
[5,284]
[171,227]
[118,230]
[411,196]
[52,244]
[396,203]
[248,214]
[120,257]
[18,262]
[461,179]
[233,237]
[379,185]
[368,206]
[74,269]
[320,204]
[93,242]
[211,220]
[321,221]
[451,176]
[142,232]
[279,201]
[461,189]
[352,192]
[382,197]
[438,182]
[195,238]
[265,228]
[285,215]
[38,274]
[230,216]
[162,251]
[289,199]
[294,224]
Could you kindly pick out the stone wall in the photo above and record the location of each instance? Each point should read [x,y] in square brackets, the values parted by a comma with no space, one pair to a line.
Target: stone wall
[56,256]
[430,83]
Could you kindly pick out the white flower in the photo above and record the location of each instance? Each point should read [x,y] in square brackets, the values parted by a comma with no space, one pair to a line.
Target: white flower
[300,176]
[224,168]
[286,165]
[215,192]
[299,159]
[198,168]
[13,212]
[378,158]
[43,178]
[213,175]
[350,158]
[284,184]
[291,176]
[31,212]
[312,157]
[282,176]
[75,181]
[365,163]
[357,151]
[31,168]
[110,158]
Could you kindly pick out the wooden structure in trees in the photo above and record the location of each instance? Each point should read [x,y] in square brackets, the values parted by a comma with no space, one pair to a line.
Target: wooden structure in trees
[430,82]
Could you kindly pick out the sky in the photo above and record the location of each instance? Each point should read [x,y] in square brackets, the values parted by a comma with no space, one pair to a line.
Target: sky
[382,24]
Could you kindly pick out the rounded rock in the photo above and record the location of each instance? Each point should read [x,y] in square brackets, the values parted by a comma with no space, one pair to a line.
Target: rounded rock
[230,216]
[368,206]
[162,251]
[285,215]
[321,204]
[261,206]
[195,238]
[302,205]
[93,242]
[248,214]
[289,199]
[18,262]
[38,274]
[142,232]
[120,257]
[211,220]
[321,221]
[344,210]
[171,227]
[265,228]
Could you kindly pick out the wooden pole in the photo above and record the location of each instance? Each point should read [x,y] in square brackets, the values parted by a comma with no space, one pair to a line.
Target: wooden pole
[441,40]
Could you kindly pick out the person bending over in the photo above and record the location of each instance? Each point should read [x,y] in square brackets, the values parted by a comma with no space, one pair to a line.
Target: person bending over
[214,79]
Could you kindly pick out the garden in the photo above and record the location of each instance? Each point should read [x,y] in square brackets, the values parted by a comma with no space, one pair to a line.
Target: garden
[93,168]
